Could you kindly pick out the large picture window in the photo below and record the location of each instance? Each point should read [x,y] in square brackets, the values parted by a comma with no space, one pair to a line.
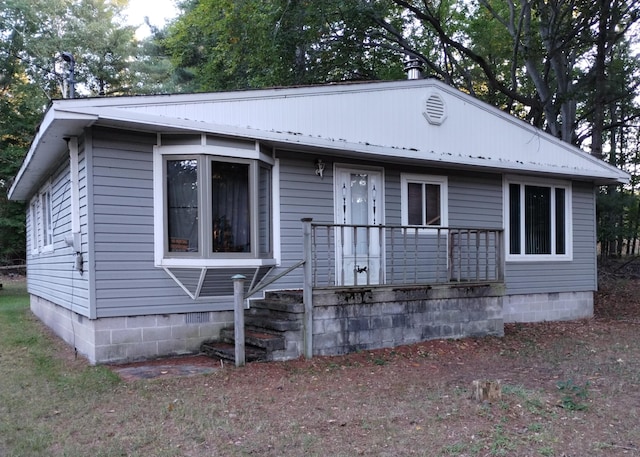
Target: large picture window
[538,221]
[216,207]
[424,200]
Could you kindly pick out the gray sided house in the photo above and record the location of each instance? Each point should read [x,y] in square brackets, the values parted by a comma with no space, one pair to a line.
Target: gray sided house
[361,215]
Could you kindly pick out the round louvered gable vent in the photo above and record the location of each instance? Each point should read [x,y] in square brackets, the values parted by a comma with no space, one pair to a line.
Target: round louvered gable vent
[435,110]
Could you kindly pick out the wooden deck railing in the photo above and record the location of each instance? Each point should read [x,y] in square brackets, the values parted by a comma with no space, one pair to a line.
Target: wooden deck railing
[354,255]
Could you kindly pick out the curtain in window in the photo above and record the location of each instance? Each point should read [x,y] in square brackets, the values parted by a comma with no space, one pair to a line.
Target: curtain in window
[537,203]
[230,207]
[182,205]
[514,219]
[560,222]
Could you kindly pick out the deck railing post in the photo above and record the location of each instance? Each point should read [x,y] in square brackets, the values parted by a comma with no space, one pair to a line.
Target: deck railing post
[307,290]
[500,248]
[238,318]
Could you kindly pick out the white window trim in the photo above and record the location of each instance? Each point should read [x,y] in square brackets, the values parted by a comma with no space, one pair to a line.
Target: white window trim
[442,181]
[159,152]
[566,185]
[35,229]
[38,217]
[47,219]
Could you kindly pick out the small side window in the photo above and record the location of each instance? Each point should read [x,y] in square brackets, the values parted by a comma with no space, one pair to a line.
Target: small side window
[33,225]
[47,226]
[424,200]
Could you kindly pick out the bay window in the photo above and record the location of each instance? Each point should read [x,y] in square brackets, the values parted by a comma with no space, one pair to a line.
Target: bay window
[213,207]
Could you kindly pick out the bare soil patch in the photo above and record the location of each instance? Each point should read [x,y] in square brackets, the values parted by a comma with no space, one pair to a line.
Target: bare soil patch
[568,389]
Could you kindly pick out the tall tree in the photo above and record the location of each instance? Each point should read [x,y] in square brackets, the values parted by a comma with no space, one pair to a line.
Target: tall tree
[20,107]
[33,33]
[537,55]
[229,44]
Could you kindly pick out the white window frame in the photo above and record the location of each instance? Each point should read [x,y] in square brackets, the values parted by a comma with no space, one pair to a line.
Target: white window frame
[442,181]
[34,229]
[568,215]
[210,152]
[41,218]
[46,204]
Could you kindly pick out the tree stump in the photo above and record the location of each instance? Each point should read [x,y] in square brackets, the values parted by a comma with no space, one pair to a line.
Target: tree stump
[486,390]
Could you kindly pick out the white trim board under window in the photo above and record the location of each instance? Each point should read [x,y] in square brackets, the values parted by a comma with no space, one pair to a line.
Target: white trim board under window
[538,220]
[424,200]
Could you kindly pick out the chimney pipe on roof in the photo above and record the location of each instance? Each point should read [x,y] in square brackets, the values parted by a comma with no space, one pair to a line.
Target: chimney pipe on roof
[413,68]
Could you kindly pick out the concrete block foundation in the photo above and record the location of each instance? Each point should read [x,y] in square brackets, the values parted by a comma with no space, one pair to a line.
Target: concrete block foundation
[349,320]
[552,306]
[124,339]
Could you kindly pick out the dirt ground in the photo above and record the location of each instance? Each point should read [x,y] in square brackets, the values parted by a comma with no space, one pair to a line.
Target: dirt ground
[568,389]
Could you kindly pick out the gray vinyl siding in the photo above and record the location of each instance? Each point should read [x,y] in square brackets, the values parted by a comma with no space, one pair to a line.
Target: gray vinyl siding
[302,194]
[475,200]
[121,250]
[576,275]
[127,283]
[51,274]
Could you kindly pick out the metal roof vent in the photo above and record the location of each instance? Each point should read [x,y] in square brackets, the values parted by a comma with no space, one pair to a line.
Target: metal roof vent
[435,111]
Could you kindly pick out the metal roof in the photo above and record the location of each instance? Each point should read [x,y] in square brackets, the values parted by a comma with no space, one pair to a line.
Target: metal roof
[412,121]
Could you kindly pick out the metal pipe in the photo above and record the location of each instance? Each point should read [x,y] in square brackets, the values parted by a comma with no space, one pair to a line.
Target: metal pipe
[68,57]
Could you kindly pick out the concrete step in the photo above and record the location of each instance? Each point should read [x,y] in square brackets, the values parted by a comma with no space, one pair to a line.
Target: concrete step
[266,314]
[274,304]
[255,337]
[284,296]
[227,351]
[270,324]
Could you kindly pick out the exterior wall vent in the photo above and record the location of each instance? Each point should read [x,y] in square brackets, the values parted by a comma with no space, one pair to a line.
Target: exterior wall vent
[435,111]
[197,318]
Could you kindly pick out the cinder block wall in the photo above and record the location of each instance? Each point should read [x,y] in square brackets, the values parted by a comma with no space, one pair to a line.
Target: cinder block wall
[362,319]
[553,306]
[123,339]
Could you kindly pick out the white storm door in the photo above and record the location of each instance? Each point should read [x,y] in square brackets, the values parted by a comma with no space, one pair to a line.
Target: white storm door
[358,199]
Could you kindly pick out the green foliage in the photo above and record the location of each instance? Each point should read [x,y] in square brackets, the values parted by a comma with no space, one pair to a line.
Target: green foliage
[618,216]
[573,395]
[33,33]
[20,108]
[227,44]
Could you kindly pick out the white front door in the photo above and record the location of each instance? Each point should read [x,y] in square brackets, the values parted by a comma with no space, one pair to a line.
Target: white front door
[359,194]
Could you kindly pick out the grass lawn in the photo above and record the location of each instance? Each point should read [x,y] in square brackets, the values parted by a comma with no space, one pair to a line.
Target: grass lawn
[568,389]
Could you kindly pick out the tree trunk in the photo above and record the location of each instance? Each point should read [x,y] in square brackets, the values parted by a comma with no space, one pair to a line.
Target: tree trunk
[604,9]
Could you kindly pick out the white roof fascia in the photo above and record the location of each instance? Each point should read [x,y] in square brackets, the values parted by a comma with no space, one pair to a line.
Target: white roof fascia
[44,149]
